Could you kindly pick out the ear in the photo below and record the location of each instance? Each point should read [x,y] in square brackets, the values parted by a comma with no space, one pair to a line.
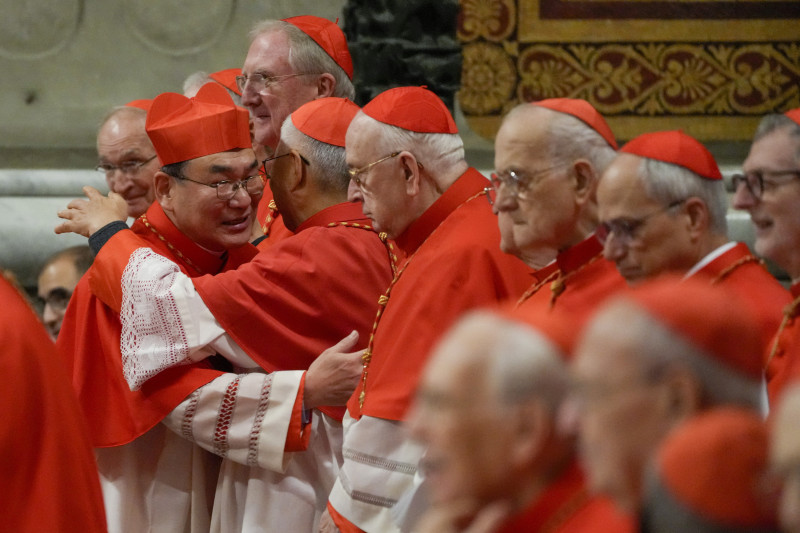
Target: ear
[412,172]
[699,216]
[683,394]
[585,177]
[326,84]
[163,185]
[533,427]
[299,178]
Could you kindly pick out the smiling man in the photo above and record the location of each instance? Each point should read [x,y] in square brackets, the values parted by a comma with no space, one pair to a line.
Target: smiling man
[662,206]
[770,191]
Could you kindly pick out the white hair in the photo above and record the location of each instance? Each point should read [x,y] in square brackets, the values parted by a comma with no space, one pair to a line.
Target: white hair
[306,56]
[327,160]
[667,183]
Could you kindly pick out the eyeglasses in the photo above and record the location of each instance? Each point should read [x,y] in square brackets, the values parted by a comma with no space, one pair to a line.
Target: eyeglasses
[226,190]
[624,229]
[755,182]
[57,299]
[518,185]
[128,167]
[354,172]
[261,82]
[264,162]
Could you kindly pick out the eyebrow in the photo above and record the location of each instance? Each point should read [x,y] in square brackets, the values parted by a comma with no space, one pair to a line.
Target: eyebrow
[224,169]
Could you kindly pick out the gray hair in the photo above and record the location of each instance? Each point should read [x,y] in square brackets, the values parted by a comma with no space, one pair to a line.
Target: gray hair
[195,80]
[774,122]
[442,154]
[327,160]
[81,256]
[306,56]
[522,364]
[662,349]
[667,183]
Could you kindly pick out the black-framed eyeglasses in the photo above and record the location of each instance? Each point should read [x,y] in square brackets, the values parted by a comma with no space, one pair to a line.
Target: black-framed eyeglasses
[262,82]
[519,184]
[57,299]
[127,167]
[252,185]
[755,181]
[355,172]
[624,229]
[264,162]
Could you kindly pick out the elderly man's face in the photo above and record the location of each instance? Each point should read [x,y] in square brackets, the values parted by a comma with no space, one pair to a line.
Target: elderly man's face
[383,193]
[541,219]
[269,106]
[213,223]
[621,413]
[655,239]
[776,215]
[785,457]
[122,143]
[55,286]
[457,418]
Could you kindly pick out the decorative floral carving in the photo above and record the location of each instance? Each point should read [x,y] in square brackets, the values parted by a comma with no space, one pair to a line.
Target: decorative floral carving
[493,20]
[487,80]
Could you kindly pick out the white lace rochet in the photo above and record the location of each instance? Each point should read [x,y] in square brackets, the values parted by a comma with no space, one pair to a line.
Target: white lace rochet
[153,337]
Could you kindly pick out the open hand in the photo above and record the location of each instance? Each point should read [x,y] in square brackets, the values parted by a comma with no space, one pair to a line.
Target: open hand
[333,376]
[85,217]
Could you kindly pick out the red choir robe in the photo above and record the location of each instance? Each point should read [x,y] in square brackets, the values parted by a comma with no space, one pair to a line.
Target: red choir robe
[565,507]
[306,293]
[89,341]
[580,281]
[453,264]
[48,474]
[783,351]
[742,272]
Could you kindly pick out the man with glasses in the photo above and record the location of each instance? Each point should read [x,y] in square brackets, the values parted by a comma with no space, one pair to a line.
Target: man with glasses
[407,161]
[770,191]
[127,157]
[662,206]
[290,62]
[549,155]
[57,279]
[278,312]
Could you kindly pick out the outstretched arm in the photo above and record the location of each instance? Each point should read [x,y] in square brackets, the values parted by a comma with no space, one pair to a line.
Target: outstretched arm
[86,217]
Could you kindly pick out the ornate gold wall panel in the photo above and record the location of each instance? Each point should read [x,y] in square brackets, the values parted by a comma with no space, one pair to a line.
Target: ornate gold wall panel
[710,67]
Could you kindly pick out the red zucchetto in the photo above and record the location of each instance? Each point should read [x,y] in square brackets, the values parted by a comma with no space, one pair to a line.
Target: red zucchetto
[582,110]
[142,103]
[329,36]
[325,119]
[227,78]
[182,128]
[413,109]
[794,114]
[677,148]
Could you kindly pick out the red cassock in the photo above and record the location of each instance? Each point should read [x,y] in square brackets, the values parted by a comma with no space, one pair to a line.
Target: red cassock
[577,282]
[566,507]
[454,264]
[48,473]
[89,341]
[783,352]
[306,293]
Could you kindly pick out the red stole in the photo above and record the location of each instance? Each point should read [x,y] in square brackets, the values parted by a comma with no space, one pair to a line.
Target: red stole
[90,340]
[305,293]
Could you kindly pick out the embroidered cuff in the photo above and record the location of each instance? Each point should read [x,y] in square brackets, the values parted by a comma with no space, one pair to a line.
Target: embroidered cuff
[101,236]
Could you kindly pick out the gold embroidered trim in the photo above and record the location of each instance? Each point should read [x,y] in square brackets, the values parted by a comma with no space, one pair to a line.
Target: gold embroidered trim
[789,313]
[188,261]
[727,271]
[389,245]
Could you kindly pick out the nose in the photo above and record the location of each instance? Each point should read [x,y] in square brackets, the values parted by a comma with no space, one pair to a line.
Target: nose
[118,181]
[504,200]
[241,198]
[250,97]
[52,319]
[354,193]
[742,198]
[614,248]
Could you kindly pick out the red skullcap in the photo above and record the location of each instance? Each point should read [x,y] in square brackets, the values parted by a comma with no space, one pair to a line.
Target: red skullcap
[413,109]
[329,36]
[794,114]
[187,128]
[325,119]
[144,103]
[227,78]
[677,148]
[553,325]
[713,463]
[584,111]
[707,317]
